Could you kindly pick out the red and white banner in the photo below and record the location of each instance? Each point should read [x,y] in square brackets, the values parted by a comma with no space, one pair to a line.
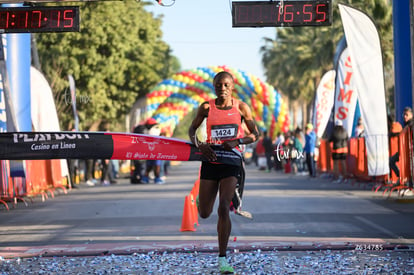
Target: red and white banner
[365,51]
[324,102]
[345,92]
[105,145]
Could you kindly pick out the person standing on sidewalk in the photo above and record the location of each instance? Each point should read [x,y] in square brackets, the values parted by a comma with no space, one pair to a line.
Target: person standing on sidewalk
[310,144]
[394,130]
[107,176]
[269,150]
[90,172]
[339,139]
[225,115]
[261,154]
[297,151]
[153,165]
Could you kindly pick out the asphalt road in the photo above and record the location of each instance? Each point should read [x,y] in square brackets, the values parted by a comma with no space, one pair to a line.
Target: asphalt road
[290,212]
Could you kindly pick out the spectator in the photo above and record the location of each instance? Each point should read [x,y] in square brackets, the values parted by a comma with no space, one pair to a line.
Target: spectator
[297,152]
[164,163]
[310,144]
[408,117]
[73,167]
[73,171]
[268,147]
[339,139]
[107,176]
[90,172]
[153,165]
[139,165]
[359,129]
[287,150]
[115,168]
[408,123]
[280,139]
[261,154]
[166,167]
[278,144]
[394,130]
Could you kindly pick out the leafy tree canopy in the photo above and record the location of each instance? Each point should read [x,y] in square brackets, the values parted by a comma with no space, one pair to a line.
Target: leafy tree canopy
[114,62]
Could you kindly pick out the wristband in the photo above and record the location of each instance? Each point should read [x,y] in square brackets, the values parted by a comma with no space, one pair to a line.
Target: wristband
[240,140]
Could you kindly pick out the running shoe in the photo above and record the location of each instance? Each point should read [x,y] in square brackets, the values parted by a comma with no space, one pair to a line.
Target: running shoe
[159,181]
[90,183]
[105,182]
[145,179]
[224,266]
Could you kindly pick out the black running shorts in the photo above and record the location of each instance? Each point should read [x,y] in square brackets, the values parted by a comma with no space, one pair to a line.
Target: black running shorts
[339,156]
[213,171]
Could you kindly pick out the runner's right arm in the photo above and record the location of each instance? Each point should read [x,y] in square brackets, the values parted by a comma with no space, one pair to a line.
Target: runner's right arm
[204,148]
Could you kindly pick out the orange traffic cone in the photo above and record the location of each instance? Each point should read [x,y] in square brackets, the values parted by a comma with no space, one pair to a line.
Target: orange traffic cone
[196,188]
[194,209]
[187,223]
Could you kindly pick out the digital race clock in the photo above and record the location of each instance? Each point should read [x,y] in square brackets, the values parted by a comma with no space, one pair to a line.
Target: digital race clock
[282,13]
[39,19]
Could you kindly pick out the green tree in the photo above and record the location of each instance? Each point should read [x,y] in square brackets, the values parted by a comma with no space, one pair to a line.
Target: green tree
[116,58]
[296,60]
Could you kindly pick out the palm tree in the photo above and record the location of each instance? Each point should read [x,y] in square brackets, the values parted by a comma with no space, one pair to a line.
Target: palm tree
[296,60]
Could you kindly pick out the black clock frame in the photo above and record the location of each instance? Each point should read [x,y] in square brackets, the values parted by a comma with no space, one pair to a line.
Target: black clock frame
[286,13]
[39,19]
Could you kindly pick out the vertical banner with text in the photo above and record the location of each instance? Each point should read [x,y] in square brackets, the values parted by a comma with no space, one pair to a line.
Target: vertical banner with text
[346,92]
[324,102]
[366,55]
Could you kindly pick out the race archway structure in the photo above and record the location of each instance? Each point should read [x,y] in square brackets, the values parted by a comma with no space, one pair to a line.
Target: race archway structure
[172,99]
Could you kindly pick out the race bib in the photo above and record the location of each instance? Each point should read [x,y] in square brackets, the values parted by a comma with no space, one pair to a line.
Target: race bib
[224,132]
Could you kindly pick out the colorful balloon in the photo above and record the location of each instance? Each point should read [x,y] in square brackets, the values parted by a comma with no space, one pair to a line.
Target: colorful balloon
[172,99]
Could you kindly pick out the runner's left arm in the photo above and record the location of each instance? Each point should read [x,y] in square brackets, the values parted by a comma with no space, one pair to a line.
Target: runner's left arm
[253,133]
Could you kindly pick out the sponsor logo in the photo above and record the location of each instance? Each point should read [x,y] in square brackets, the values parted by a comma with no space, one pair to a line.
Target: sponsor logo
[151,147]
[49,141]
[157,156]
[61,145]
[151,144]
[36,137]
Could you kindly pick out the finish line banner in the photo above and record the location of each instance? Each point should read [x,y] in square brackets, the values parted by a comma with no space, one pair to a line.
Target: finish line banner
[104,145]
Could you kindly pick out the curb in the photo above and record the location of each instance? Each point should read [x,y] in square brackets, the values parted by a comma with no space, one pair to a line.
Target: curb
[104,249]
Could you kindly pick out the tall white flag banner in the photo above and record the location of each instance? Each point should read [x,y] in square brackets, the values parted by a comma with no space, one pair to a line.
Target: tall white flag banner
[43,108]
[345,92]
[324,101]
[365,50]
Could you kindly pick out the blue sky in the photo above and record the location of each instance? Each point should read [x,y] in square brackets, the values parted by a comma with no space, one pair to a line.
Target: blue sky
[200,34]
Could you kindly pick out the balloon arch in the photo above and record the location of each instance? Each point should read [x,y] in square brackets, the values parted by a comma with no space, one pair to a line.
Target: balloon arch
[172,99]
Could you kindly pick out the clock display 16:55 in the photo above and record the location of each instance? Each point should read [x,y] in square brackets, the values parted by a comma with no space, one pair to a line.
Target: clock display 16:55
[282,13]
